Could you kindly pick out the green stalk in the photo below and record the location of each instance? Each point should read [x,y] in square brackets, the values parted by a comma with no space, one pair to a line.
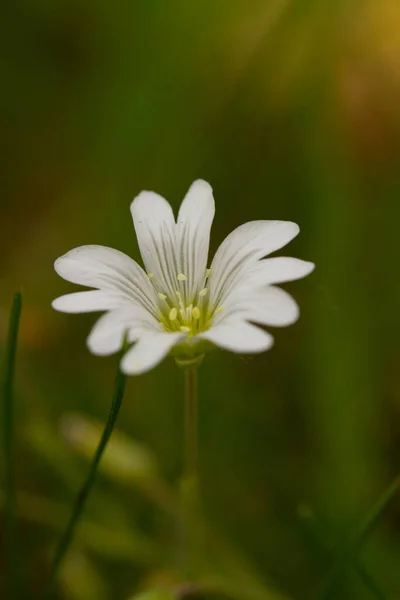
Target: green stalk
[11,533]
[190,478]
[81,498]
[191,471]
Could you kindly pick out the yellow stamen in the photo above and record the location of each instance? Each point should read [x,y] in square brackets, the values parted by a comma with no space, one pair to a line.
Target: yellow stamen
[180,299]
[162,296]
[181,277]
[184,329]
[150,275]
[196,313]
[219,309]
[208,272]
[203,292]
[173,313]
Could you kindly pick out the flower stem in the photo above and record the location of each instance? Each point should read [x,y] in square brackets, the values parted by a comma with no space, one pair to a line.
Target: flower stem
[11,534]
[81,498]
[191,424]
[190,479]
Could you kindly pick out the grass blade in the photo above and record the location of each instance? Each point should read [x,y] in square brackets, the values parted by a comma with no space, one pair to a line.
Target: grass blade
[11,532]
[81,498]
[372,518]
[369,582]
[350,554]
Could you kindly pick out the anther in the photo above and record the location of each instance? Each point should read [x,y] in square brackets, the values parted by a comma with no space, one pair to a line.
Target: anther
[162,296]
[181,277]
[219,310]
[203,292]
[150,275]
[184,329]
[173,313]
[196,312]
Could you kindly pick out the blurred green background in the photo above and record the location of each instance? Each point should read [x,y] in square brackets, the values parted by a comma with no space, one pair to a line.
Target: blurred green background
[290,109]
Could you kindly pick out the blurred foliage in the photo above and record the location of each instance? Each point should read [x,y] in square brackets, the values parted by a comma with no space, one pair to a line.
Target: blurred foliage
[290,108]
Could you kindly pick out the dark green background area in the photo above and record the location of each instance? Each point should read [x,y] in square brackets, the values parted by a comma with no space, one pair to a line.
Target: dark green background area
[290,111]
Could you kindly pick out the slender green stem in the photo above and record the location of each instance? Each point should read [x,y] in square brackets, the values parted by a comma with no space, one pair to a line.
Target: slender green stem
[189,482]
[191,451]
[81,498]
[11,533]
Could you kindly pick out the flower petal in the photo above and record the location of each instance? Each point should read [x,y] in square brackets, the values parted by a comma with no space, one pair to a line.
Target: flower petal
[238,336]
[278,270]
[90,301]
[148,352]
[244,245]
[108,333]
[156,233]
[195,217]
[107,269]
[270,306]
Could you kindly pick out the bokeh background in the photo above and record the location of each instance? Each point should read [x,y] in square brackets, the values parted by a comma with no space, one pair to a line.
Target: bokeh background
[290,109]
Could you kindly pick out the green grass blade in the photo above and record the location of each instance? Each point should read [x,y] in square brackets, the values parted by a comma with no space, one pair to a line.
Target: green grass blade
[11,533]
[369,582]
[81,498]
[372,518]
[350,554]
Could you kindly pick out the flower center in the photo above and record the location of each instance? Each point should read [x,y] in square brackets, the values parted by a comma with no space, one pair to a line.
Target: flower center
[181,313]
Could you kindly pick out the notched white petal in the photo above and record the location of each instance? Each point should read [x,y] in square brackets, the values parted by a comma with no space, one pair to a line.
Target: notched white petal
[155,229]
[277,270]
[91,301]
[106,269]
[148,352]
[107,335]
[269,306]
[239,337]
[109,331]
[90,265]
[275,308]
[195,218]
[199,200]
[242,248]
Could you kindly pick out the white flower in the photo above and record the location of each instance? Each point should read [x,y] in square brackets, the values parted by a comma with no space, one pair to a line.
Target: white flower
[178,304]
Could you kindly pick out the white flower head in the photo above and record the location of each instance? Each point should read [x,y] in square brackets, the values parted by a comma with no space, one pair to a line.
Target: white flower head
[178,304]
